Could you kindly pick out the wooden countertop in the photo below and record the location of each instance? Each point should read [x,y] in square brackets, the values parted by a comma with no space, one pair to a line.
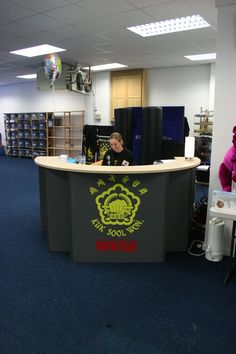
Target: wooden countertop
[177,164]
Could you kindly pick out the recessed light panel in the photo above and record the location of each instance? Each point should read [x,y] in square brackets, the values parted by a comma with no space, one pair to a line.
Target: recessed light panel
[170,26]
[104,67]
[208,56]
[37,50]
[28,77]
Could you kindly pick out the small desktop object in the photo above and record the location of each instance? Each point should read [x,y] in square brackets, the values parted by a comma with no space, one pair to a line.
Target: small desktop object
[72,160]
[68,159]
[189,147]
[125,163]
[63,158]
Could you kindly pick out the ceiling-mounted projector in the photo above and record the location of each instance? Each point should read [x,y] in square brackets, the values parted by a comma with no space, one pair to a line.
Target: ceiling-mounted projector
[78,80]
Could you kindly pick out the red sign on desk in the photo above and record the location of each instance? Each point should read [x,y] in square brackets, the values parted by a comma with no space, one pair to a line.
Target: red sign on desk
[116,246]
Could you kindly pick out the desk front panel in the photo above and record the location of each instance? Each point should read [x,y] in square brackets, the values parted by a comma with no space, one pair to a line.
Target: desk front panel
[55,209]
[118,218]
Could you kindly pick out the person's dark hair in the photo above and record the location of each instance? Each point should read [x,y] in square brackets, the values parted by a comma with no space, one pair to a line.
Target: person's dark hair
[118,137]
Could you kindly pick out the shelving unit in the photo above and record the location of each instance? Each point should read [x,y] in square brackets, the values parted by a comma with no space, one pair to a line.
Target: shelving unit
[26,134]
[46,133]
[203,122]
[65,133]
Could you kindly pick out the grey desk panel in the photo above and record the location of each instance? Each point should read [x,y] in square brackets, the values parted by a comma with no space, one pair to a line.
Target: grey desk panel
[58,210]
[180,199]
[43,198]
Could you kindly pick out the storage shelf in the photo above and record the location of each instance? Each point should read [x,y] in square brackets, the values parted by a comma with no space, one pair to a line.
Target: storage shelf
[54,127]
[203,122]
[65,128]
[25,127]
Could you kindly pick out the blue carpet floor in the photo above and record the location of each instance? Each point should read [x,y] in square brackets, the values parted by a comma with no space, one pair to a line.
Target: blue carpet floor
[50,305]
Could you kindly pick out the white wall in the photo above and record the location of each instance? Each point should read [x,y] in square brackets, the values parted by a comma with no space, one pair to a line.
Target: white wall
[225,89]
[225,94]
[26,98]
[212,88]
[100,98]
[190,86]
[187,86]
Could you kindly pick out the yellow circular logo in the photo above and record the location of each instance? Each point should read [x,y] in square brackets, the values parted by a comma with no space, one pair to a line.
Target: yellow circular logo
[117,205]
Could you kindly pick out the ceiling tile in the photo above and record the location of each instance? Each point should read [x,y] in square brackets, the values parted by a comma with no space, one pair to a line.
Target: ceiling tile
[147,3]
[41,22]
[94,26]
[131,18]
[42,37]
[42,5]
[13,12]
[167,11]
[66,32]
[106,7]
[200,5]
[70,14]
[14,30]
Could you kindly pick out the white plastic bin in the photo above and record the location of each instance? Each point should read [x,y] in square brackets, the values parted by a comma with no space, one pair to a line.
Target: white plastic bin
[215,241]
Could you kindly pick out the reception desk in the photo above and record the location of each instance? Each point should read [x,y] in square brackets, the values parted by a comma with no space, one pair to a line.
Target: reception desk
[117,214]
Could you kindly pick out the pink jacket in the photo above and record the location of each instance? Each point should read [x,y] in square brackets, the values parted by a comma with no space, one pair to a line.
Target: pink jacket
[228,166]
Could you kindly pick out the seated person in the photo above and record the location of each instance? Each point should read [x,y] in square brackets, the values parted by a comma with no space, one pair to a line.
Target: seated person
[117,155]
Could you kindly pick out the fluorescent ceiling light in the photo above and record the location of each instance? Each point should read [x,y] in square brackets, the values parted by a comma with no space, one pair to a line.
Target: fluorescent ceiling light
[106,67]
[28,77]
[208,56]
[169,26]
[38,50]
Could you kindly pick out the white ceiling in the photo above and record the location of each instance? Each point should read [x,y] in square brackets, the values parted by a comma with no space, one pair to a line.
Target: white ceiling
[94,32]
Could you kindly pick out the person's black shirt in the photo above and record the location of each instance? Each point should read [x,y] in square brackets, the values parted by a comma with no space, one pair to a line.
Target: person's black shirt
[123,158]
